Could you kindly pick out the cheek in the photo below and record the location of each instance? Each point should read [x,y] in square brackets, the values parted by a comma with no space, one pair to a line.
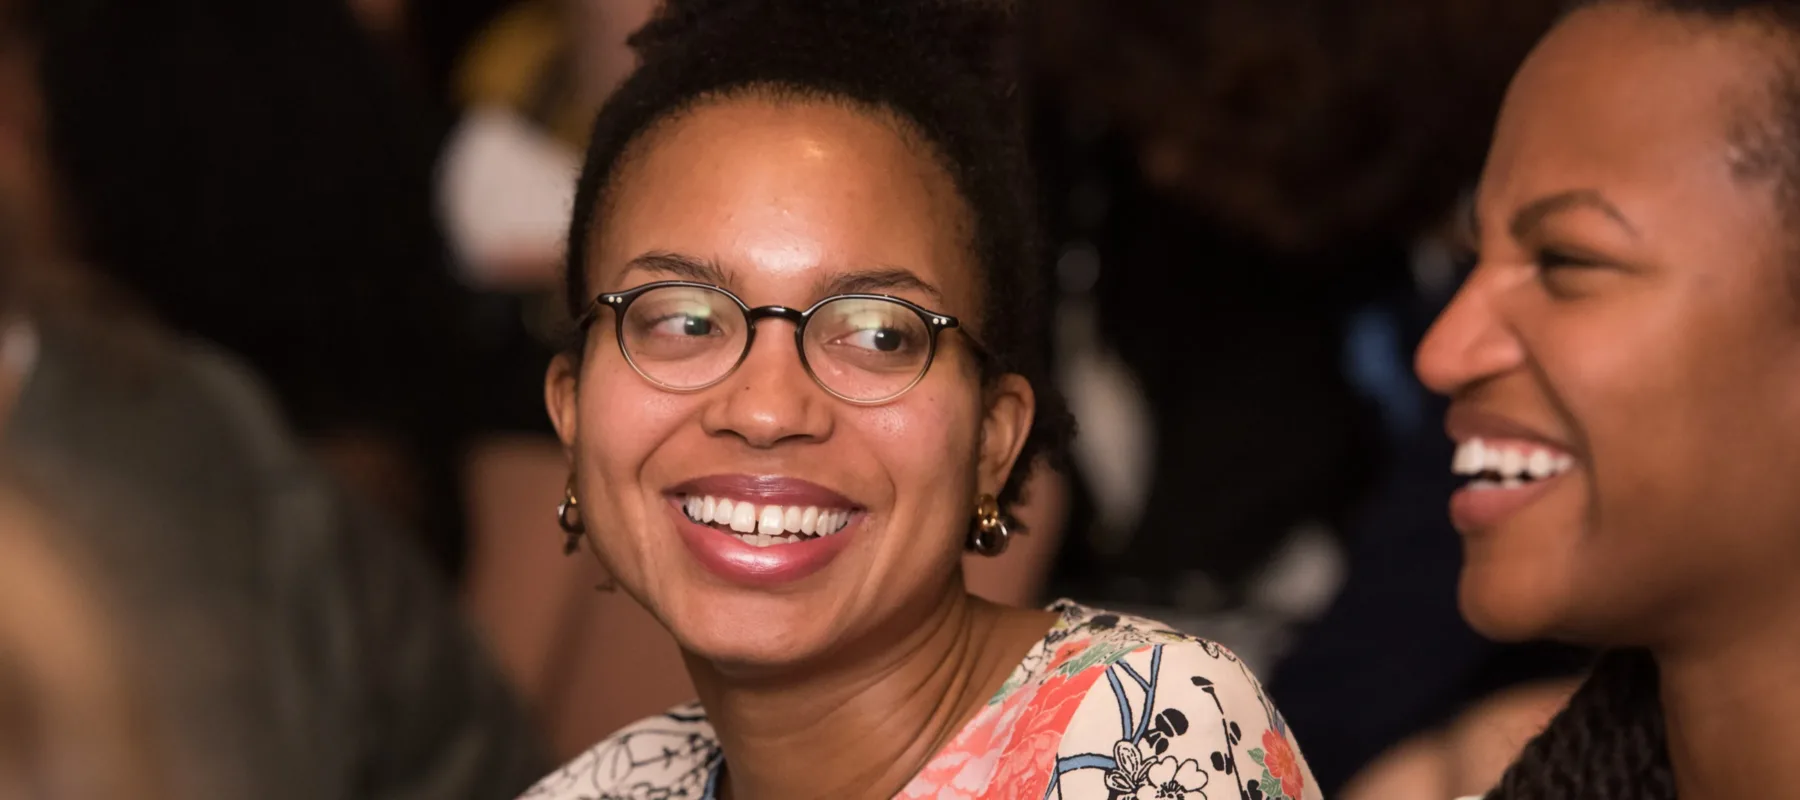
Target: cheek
[927,445]
[623,423]
[1672,409]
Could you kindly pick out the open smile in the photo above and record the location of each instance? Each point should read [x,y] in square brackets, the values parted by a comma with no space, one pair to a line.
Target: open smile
[1505,476]
[763,530]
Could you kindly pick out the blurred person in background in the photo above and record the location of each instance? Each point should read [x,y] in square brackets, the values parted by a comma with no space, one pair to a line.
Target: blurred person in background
[1288,172]
[288,640]
[1621,369]
[294,644]
[259,175]
[795,507]
[73,721]
[528,86]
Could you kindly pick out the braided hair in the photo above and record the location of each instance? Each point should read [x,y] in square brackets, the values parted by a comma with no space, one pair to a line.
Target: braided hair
[1607,744]
[936,65]
[1610,743]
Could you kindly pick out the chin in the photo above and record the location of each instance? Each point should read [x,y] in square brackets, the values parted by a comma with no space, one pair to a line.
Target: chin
[771,634]
[1509,605]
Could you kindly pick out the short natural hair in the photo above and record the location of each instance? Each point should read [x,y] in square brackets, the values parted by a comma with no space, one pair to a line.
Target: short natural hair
[932,64]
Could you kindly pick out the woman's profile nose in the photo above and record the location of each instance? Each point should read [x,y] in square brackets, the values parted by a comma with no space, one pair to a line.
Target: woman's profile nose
[1468,342]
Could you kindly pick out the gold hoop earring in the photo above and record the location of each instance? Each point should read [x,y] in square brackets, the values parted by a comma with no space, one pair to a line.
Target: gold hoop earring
[990,534]
[568,517]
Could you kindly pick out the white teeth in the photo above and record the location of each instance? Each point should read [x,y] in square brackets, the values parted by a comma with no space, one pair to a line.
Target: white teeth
[769,522]
[1514,465]
[778,524]
[1540,463]
[1468,458]
[1492,458]
[743,517]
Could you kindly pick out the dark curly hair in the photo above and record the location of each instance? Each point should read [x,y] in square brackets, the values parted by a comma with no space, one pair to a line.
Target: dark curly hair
[937,65]
[1610,743]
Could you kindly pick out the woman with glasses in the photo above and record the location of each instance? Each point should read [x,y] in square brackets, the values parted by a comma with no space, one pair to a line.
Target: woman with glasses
[807,379]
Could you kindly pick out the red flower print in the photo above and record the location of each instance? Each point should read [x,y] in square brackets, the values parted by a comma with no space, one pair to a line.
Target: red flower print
[1278,759]
[970,757]
[1030,757]
[1063,654]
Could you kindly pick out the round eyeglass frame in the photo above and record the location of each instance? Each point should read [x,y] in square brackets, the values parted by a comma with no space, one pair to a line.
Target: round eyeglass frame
[935,323]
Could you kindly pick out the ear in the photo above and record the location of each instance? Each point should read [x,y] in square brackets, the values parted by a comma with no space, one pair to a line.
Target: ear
[1010,407]
[561,398]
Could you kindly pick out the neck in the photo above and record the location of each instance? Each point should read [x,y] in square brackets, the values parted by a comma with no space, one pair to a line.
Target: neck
[1733,710]
[874,714]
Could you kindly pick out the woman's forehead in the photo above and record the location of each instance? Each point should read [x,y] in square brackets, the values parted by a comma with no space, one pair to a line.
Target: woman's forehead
[785,193]
[1630,103]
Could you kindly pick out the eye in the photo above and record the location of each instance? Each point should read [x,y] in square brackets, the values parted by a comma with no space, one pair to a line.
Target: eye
[871,335]
[870,332]
[1551,259]
[684,325]
[1566,274]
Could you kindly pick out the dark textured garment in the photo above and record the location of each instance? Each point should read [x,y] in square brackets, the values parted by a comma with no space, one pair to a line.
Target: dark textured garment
[293,645]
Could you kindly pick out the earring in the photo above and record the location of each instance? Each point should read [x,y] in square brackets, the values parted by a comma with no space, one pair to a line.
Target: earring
[990,534]
[568,517]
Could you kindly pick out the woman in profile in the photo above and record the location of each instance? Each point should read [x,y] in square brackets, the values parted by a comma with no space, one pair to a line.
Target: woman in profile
[1624,372]
[806,380]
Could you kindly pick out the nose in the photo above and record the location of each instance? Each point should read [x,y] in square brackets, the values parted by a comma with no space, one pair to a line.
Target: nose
[770,399]
[1470,341]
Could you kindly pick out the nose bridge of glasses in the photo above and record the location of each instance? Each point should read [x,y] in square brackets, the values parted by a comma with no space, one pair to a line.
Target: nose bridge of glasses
[760,313]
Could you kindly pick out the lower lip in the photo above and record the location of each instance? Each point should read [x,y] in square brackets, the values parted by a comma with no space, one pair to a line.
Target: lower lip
[748,565]
[1473,510]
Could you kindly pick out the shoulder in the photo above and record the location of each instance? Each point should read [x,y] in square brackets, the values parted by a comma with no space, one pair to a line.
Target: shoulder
[1146,706]
[674,754]
[1089,639]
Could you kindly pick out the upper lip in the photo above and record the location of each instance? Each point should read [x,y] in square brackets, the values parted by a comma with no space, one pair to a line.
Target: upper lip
[1464,422]
[765,490]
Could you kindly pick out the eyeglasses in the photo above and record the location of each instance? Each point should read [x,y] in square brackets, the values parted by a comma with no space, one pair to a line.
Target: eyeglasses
[861,348]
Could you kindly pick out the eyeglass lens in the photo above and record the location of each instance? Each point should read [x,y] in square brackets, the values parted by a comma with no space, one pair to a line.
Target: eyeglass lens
[686,337]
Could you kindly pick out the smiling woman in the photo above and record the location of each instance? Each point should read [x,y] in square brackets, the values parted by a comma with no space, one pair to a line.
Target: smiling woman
[807,379]
[1624,373]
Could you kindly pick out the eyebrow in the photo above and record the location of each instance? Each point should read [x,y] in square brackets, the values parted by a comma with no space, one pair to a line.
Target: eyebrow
[876,281]
[686,267]
[1534,213]
[868,281]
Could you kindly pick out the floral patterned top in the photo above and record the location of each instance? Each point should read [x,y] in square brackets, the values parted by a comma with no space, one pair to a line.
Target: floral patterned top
[1105,707]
